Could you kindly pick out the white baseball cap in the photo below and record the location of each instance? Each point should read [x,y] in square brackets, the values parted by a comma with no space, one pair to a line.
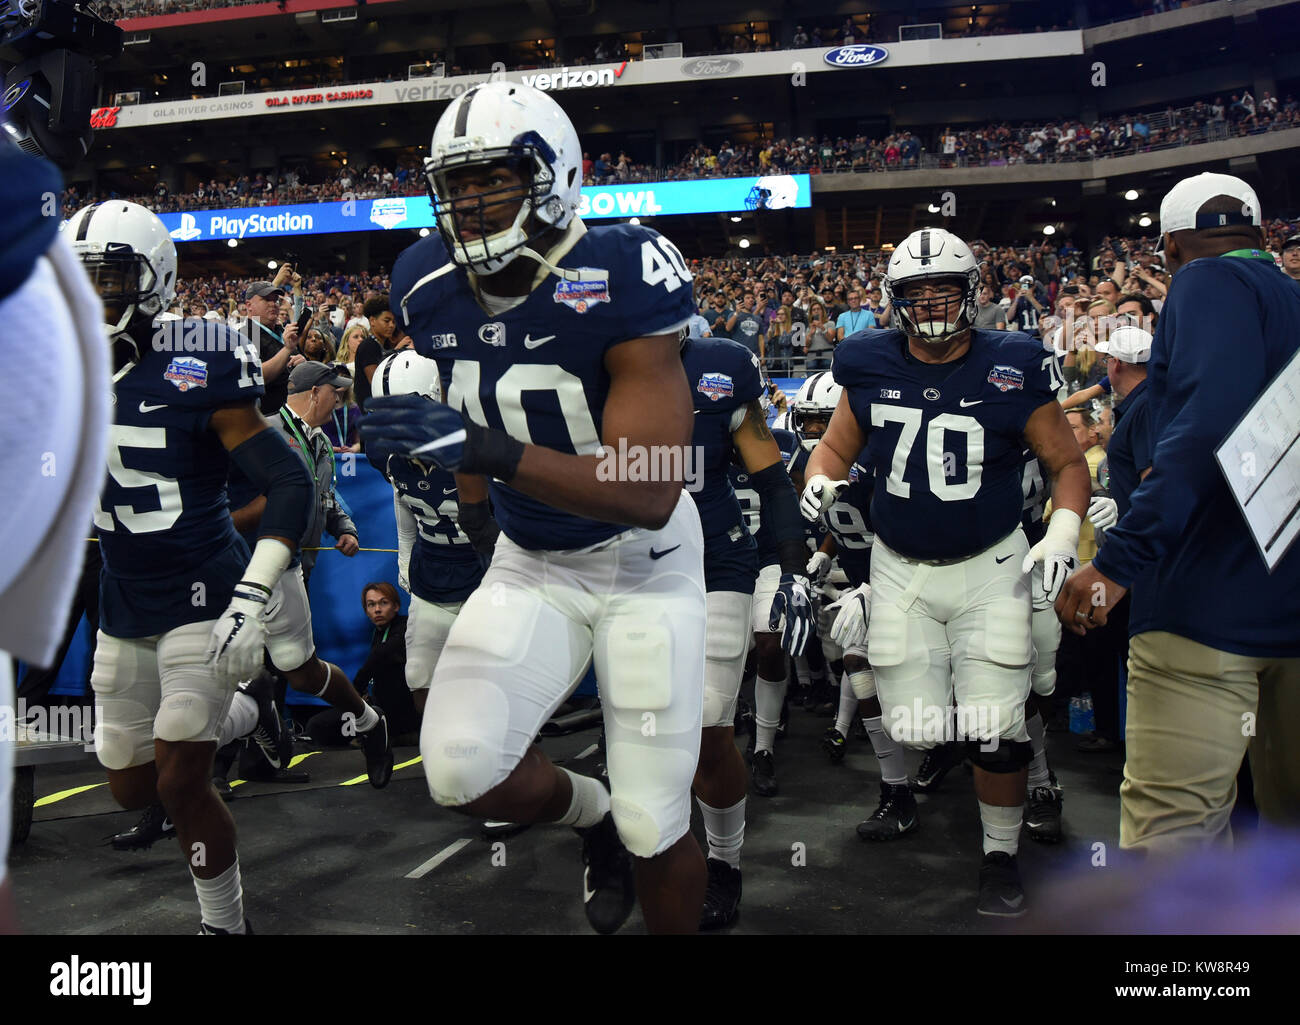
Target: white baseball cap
[1180,210]
[1127,343]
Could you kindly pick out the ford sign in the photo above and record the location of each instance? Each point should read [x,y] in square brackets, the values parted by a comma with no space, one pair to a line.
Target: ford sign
[857,56]
[711,67]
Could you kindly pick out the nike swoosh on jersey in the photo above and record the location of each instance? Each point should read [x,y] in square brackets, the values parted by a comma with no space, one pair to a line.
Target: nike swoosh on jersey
[1003,559]
[666,551]
[963,403]
[448,491]
[146,407]
[533,343]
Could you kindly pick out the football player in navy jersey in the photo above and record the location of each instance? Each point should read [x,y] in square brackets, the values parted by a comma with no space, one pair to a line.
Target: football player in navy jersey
[437,565]
[848,541]
[166,662]
[730,417]
[558,347]
[944,412]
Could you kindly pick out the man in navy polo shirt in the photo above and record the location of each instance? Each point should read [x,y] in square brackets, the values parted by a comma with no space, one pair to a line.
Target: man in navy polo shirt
[1214,657]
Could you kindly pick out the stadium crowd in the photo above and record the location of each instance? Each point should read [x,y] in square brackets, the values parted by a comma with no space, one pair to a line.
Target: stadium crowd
[997,145]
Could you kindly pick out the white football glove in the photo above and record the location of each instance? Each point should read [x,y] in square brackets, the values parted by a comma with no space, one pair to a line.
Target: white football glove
[850,628]
[819,495]
[1058,551]
[1103,512]
[238,637]
[819,566]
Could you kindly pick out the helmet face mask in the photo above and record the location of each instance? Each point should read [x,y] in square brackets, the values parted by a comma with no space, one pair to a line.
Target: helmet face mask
[813,407]
[936,258]
[933,318]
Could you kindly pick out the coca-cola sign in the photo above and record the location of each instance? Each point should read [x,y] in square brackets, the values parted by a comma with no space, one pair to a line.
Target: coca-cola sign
[104,117]
[711,67]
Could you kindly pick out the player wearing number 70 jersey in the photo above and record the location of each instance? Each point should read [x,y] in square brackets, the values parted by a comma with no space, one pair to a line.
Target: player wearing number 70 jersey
[168,657]
[566,396]
[944,412]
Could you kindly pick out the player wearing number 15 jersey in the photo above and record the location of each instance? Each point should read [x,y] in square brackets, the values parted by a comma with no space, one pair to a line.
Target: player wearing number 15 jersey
[558,347]
[944,412]
[167,657]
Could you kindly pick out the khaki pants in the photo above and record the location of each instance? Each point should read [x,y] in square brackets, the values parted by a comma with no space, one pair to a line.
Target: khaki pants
[1193,712]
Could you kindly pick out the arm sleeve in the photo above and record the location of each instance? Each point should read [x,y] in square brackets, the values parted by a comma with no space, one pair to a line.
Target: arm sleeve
[779,510]
[406,532]
[276,472]
[1204,396]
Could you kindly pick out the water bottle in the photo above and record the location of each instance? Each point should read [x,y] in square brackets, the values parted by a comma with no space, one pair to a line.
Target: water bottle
[1081,716]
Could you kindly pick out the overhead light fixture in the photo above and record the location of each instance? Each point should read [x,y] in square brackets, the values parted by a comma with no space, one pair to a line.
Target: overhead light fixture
[1049,229]
[232,242]
[961,85]
[1144,221]
[859,246]
[830,249]
[1139,64]
[1131,194]
[634,220]
[735,220]
[424,233]
[271,265]
[743,243]
[933,208]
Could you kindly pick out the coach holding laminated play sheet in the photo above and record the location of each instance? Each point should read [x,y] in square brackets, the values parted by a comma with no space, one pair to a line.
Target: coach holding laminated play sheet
[1214,660]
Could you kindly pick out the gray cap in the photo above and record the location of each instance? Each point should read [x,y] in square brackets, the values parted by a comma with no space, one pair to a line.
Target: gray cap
[310,374]
[262,289]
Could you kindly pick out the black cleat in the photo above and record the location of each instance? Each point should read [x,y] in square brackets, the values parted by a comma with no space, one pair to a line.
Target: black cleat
[722,897]
[1001,894]
[210,930]
[377,744]
[268,734]
[608,882]
[763,773]
[493,829]
[937,763]
[834,744]
[894,816]
[1043,814]
[154,825]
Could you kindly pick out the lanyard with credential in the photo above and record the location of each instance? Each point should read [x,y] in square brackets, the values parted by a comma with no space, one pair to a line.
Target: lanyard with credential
[308,451]
[1250,254]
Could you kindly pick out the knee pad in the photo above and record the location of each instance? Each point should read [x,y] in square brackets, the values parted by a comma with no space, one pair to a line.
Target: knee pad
[124,707]
[183,717]
[463,740]
[1005,636]
[118,748]
[863,682]
[1045,632]
[650,795]
[1007,756]
[726,638]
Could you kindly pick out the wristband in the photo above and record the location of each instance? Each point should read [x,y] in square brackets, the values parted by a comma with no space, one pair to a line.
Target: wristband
[490,452]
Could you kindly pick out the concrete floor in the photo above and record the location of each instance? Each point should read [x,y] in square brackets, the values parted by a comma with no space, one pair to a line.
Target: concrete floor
[332,858]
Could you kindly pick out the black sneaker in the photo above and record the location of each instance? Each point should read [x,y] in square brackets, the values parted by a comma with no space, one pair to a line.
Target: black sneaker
[722,897]
[824,699]
[937,763]
[268,733]
[494,829]
[894,816]
[608,882]
[784,721]
[1043,814]
[210,930]
[377,745]
[154,825]
[1001,894]
[834,744]
[763,772]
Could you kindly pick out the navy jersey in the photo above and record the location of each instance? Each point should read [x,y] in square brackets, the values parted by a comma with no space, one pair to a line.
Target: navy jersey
[171,554]
[750,502]
[444,566]
[947,439]
[537,371]
[724,378]
[849,520]
[1036,489]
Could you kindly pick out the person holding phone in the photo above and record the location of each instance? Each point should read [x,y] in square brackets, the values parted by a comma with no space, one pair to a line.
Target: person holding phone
[279,352]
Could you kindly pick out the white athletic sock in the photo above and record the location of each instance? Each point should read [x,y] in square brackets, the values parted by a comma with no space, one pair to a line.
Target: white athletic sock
[1038,776]
[725,830]
[590,802]
[1001,827]
[768,696]
[367,720]
[801,671]
[221,900]
[889,752]
[848,706]
[239,721]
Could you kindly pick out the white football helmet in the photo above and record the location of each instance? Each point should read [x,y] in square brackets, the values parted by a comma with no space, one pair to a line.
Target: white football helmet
[406,372]
[129,257]
[933,254]
[499,122]
[813,405]
[773,192]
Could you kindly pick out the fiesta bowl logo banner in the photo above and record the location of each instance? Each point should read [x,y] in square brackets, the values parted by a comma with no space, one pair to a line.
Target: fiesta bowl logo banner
[859,55]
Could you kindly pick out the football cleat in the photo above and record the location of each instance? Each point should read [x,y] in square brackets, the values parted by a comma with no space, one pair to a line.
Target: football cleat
[377,745]
[763,772]
[894,816]
[210,930]
[823,699]
[784,721]
[154,825]
[722,897]
[834,744]
[268,733]
[1001,894]
[1043,814]
[937,763]
[608,882]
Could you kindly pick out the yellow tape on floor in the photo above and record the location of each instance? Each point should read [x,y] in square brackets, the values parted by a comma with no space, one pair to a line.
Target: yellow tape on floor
[64,794]
[366,779]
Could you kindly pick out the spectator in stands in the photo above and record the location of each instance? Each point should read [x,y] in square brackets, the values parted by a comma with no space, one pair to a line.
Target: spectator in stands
[317,347]
[1140,309]
[1029,303]
[800,39]
[375,346]
[781,340]
[820,339]
[746,327]
[855,318]
[1291,257]
[278,351]
[988,314]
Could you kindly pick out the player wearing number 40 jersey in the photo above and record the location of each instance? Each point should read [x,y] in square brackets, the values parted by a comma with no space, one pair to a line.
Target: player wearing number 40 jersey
[167,658]
[944,413]
[559,350]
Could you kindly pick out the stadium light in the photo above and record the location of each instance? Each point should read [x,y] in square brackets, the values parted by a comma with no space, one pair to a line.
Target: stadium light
[634,220]
[1049,229]
[1144,221]
[424,233]
[735,220]
[1131,195]
[743,243]
[933,208]
[271,265]
[232,242]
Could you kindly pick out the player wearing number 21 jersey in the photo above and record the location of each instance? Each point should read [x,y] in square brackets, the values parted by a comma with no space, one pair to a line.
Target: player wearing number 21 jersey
[559,353]
[944,412]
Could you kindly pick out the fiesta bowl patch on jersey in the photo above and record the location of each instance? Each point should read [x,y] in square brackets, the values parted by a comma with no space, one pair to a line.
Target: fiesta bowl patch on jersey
[186,372]
[1005,378]
[580,296]
[715,386]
